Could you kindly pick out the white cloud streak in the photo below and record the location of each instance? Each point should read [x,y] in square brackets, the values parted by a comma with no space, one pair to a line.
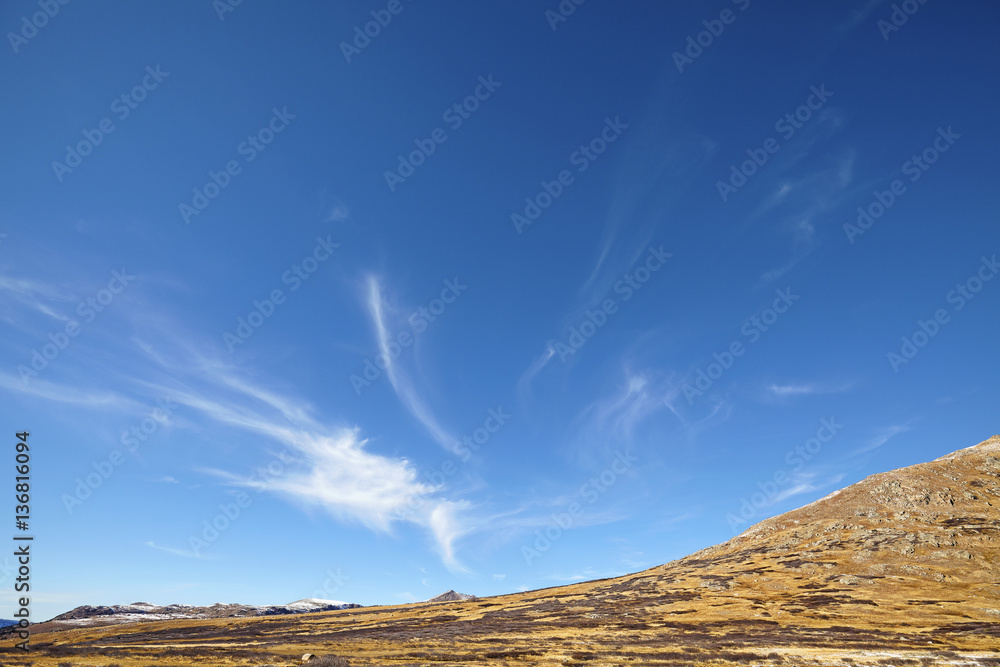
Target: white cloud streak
[398,378]
[881,437]
[334,470]
[183,553]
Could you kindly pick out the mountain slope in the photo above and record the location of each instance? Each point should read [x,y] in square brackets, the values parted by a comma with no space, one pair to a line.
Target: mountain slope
[901,567]
[925,538]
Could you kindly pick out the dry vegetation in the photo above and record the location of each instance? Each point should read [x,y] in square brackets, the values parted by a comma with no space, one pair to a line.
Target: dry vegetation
[900,569]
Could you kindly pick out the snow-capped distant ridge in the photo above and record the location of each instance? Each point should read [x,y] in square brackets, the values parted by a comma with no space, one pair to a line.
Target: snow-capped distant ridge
[139,612]
[316,602]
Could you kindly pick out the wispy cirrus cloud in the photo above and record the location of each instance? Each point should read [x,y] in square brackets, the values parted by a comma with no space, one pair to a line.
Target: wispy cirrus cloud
[801,487]
[782,391]
[615,417]
[332,468]
[647,184]
[183,553]
[32,295]
[22,287]
[720,409]
[537,365]
[804,484]
[586,575]
[338,474]
[58,393]
[668,522]
[792,390]
[331,208]
[881,437]
[859,15]
[799,203]
[378,310]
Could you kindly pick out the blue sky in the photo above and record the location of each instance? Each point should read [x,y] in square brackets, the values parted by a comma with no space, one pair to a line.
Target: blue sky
[615,307]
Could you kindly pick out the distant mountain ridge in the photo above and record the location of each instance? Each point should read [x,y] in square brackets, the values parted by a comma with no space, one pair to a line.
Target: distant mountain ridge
[452,596]
[137,612]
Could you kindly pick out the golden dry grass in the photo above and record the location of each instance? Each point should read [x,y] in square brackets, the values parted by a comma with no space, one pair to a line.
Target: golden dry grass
[900,569]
